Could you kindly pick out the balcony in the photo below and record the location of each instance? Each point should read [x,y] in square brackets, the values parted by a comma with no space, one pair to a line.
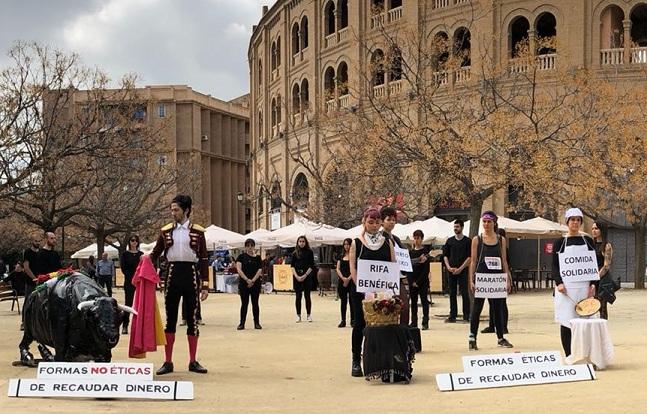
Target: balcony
[395,87]
[463,74]
[542,62]
[296,58]
[377,20]
[612,57]
[441,78]
[331,105]
[343,34]
[639,55]
[395,14]
[344,101]
[546,62]
[330,40]
[440,4]
[379,91]
[459,2]
[275,73]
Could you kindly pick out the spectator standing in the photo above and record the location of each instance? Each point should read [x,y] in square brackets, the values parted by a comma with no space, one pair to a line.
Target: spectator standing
[419,281]
[456,256]
[48,259]
[129,262]
[105,273]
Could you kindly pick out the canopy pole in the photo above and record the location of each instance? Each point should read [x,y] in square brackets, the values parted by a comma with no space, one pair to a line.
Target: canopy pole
[539,260]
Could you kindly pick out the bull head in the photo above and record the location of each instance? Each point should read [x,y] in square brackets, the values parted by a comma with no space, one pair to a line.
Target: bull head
[103,316]
[89,303]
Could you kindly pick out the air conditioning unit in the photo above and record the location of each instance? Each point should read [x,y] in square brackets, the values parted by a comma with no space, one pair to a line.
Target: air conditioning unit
[205,137]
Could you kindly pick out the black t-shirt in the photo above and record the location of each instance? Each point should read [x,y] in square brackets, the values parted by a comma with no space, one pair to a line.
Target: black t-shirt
[457,251]
[129,262]
[31,256]
[249,265]
[304,262]
[571,241]
[48,261]
[420,274]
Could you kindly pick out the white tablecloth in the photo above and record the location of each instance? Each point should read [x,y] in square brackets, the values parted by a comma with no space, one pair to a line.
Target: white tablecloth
[591,340]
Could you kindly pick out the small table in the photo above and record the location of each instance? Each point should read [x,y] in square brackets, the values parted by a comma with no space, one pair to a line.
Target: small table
[591,340]
[388,352]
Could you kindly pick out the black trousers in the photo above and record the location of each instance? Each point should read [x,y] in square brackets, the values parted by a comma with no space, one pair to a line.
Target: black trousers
[346,299]
[186,310]
[245,293]
[505,314]
[106,283]
[28,289]
[565,335]
[182,283]
[302,289]
[358,329]
[497,305]
[129,291]
[456,283]
[423,292]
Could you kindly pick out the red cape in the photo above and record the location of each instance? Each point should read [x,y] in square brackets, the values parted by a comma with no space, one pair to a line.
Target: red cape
[146,330]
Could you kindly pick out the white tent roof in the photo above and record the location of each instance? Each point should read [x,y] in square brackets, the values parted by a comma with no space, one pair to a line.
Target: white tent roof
[263,238]
[436,230]
[547,226]
[513,227]
[223,239]
[91,250]
[317,234]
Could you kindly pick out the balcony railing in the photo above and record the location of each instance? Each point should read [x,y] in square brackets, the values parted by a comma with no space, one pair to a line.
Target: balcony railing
[639,55]
[395,87]
[377,20]
[612,56]
[330,40]
[344,101]
[542,62]
[331,105]
[458,2]
[395,14]
[463,74]
[441,78]
[379,91]
[546,62]
[439,4]
[343,34]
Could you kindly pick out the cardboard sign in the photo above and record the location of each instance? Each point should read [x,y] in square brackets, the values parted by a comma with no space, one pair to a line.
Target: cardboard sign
[491,285]
[282,277]
[95,370]
[403,259]
[517,360]
[511,378]
[578,265]
[376,276]
[101,388]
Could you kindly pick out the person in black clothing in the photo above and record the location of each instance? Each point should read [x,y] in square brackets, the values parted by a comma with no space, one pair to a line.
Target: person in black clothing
[303,264]
[18,279]
[129,262]
[250,270]
[488,251]
[345,286]
[91,267]
[30,266]
[48,259]
[419,280]
[389,219]
[491,328]
[567,294]
[371,245]
[604,254]
[456,256]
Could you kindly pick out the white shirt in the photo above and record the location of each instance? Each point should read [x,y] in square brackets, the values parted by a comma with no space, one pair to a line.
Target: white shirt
[181,250]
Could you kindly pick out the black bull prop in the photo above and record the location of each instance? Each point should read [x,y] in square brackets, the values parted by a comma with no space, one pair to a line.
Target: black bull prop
[73,315]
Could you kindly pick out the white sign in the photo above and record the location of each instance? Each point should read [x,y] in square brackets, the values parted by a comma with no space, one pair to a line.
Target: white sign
[491,285]
[518,360]
[101,388]
[527,376]
[94,370]
[578,265]
[403,259]
[275,220]
[376,276]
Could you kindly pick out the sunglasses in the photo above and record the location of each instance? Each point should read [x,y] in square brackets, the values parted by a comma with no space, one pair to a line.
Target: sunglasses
[135,240]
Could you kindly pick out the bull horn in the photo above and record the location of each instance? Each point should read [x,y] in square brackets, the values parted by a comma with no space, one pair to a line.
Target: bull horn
[85,304]
[127,309]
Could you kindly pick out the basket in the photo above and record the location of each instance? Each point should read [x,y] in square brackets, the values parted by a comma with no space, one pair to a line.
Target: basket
[377,317]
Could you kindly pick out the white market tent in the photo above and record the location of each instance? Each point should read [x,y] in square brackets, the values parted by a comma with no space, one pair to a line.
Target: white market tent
[316,233]
[91,250]
[436,230]
[263,238]
[223,239]
[546,226]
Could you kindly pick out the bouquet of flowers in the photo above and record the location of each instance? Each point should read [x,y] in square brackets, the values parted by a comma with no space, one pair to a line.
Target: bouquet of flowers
[382,310]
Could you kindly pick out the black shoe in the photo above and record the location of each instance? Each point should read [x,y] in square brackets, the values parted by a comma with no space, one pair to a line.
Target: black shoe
[489,329]
[166,368]
[425,326]
[257,325]
[352,324]
[472,345]
[240,327]
[26,358]
[199,322]
[124,330]
[22,326]
[450,320]
[45,353]
[342,324]
[504,343]
[413,325]
[196,367]
[356,371]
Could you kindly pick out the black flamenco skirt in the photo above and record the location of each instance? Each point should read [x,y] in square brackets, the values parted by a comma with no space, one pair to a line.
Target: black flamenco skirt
[389,352]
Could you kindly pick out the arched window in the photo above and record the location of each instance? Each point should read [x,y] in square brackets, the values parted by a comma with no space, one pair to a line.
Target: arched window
[304,32]
[305,95]
[329,18]
[295,39]
[296,99]
[329,83]
[260,123]
[377,6]
[343,14]
[273,55]
[546,28]
[278,51]
[300,191]
[260,72]
[278,110]
[395,4]
[518,35]
[395,71]
[463,46]
[611,29]
[639,31]
[377,67]
[275,196]
[342,79]
[273,109]
[440,51]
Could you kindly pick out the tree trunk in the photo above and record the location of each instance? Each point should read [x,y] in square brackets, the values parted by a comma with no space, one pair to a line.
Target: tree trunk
[476,205]
[639,253]
[100,240]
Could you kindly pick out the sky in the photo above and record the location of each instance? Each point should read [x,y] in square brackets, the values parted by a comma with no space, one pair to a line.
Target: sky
[200,43]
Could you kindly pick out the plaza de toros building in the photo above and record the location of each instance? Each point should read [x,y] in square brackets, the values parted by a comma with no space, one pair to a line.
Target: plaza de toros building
[304,53]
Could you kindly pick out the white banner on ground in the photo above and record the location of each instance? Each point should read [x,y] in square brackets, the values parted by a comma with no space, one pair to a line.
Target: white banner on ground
[512,378]
[101,388]
[95,370]
[491,285]
[376,276]
[403,259]
[512,361]
[578,265]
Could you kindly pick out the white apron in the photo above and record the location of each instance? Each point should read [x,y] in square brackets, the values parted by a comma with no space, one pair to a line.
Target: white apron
[575,291]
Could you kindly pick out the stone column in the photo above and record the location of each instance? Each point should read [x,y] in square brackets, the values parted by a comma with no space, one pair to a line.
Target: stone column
[626,25]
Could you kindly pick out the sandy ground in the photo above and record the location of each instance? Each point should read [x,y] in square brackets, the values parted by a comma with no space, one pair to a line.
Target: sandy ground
[305,368]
